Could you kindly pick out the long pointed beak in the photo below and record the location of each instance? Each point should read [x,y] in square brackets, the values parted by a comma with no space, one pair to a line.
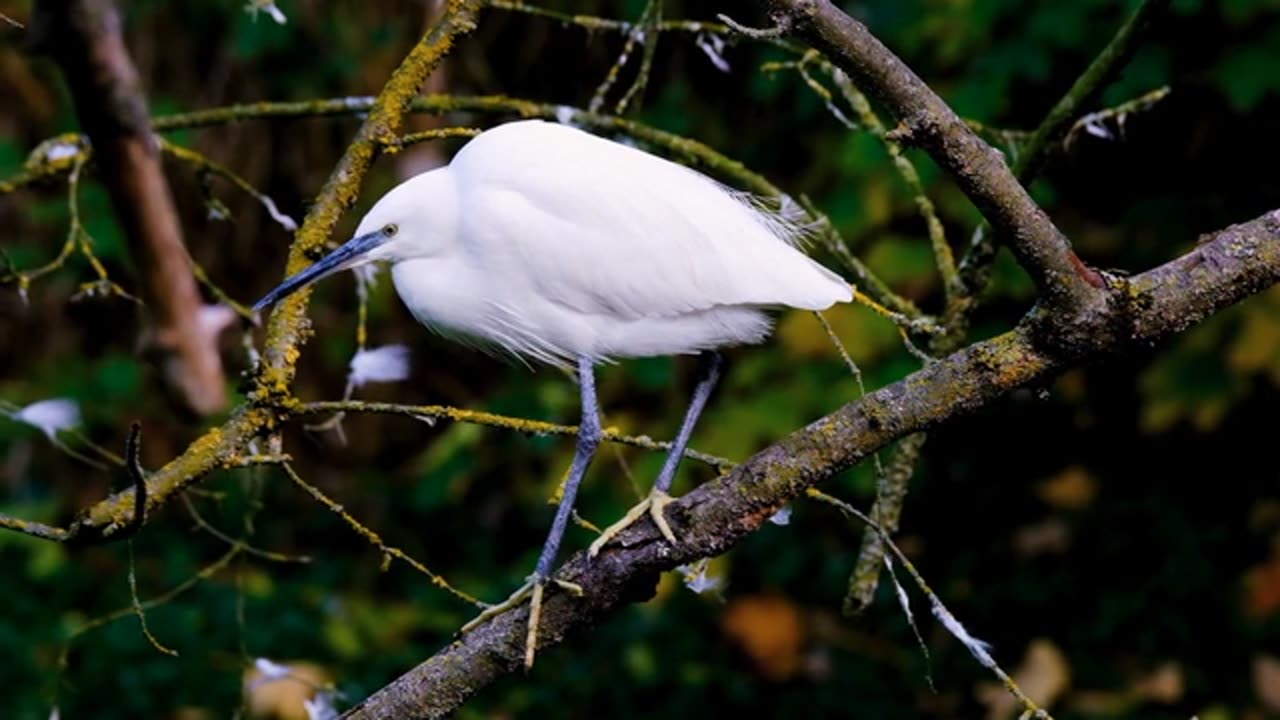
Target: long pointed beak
[348,255]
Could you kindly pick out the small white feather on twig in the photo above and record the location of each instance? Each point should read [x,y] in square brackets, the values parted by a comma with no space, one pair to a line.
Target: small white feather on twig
[389,363]
[713,46]
[322,706]
[697,580]
[266,6]
[980,649]
[50,416]
[782,517]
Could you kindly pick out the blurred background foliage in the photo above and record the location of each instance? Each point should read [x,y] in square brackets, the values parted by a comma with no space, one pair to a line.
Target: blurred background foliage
[1115,535]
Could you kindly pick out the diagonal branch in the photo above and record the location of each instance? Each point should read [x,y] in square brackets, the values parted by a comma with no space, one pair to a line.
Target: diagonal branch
[1231,265]
[927,121]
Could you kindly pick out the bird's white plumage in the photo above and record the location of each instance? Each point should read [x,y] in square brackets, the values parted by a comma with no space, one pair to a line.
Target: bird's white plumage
[551,243]
[555,245]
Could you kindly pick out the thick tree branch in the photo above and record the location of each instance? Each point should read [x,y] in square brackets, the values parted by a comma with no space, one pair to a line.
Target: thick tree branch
[1230,266]
[84,37]
[974,272]
[929,123]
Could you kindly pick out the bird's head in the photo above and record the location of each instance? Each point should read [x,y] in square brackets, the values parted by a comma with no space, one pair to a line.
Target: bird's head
[415,219]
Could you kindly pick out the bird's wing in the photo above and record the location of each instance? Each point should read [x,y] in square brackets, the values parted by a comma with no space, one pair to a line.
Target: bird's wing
[607,229]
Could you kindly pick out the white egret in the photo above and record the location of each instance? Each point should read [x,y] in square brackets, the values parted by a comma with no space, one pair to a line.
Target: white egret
[554,245]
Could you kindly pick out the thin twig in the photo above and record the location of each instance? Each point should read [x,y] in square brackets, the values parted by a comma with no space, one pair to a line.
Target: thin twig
[388,552]
[975,647]
[753,33]
[138,477]
[976,264]
[207,527]
[479,417]
[138,610]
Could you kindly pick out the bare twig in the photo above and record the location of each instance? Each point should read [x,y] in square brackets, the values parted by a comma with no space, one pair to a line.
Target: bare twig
[975,266]
[980,172]
[976,647]
[138,478]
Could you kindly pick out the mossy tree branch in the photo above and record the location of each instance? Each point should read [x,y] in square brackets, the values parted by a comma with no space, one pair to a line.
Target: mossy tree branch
[287,328]
[1230,266]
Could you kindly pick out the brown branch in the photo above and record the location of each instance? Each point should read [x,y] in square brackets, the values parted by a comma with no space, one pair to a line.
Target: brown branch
[1232,265]
[926,121]
[224,446]
[84,37]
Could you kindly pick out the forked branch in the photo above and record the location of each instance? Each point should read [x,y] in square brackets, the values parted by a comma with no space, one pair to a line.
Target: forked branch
[928,122]
[1234,264]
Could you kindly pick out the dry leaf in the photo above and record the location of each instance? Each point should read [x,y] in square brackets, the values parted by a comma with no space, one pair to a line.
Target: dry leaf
[1049,536]
[1071,489]
[1262,589]
[278,691]
[1164,685]
[1266,681]
[770,630]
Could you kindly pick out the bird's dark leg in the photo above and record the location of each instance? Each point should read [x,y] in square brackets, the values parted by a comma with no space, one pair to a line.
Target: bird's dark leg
[589,436]
[710,367]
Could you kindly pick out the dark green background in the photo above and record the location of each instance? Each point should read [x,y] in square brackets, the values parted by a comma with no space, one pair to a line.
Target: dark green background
[1159,567]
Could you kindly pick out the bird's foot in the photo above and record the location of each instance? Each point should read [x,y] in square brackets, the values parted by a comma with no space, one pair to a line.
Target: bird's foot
[654,505]
[531,590]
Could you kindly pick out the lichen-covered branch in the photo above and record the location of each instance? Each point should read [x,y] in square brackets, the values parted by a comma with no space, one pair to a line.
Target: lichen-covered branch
[477,417]
[227,445]
[288,328]
[926,121]
[1228,267]
[84,36]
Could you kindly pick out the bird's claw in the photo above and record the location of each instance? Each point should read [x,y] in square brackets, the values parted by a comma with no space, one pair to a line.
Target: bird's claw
[654,506]
[658,502]
[532,589]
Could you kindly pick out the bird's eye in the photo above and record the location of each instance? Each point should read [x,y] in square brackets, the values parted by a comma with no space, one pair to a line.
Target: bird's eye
[390,230]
